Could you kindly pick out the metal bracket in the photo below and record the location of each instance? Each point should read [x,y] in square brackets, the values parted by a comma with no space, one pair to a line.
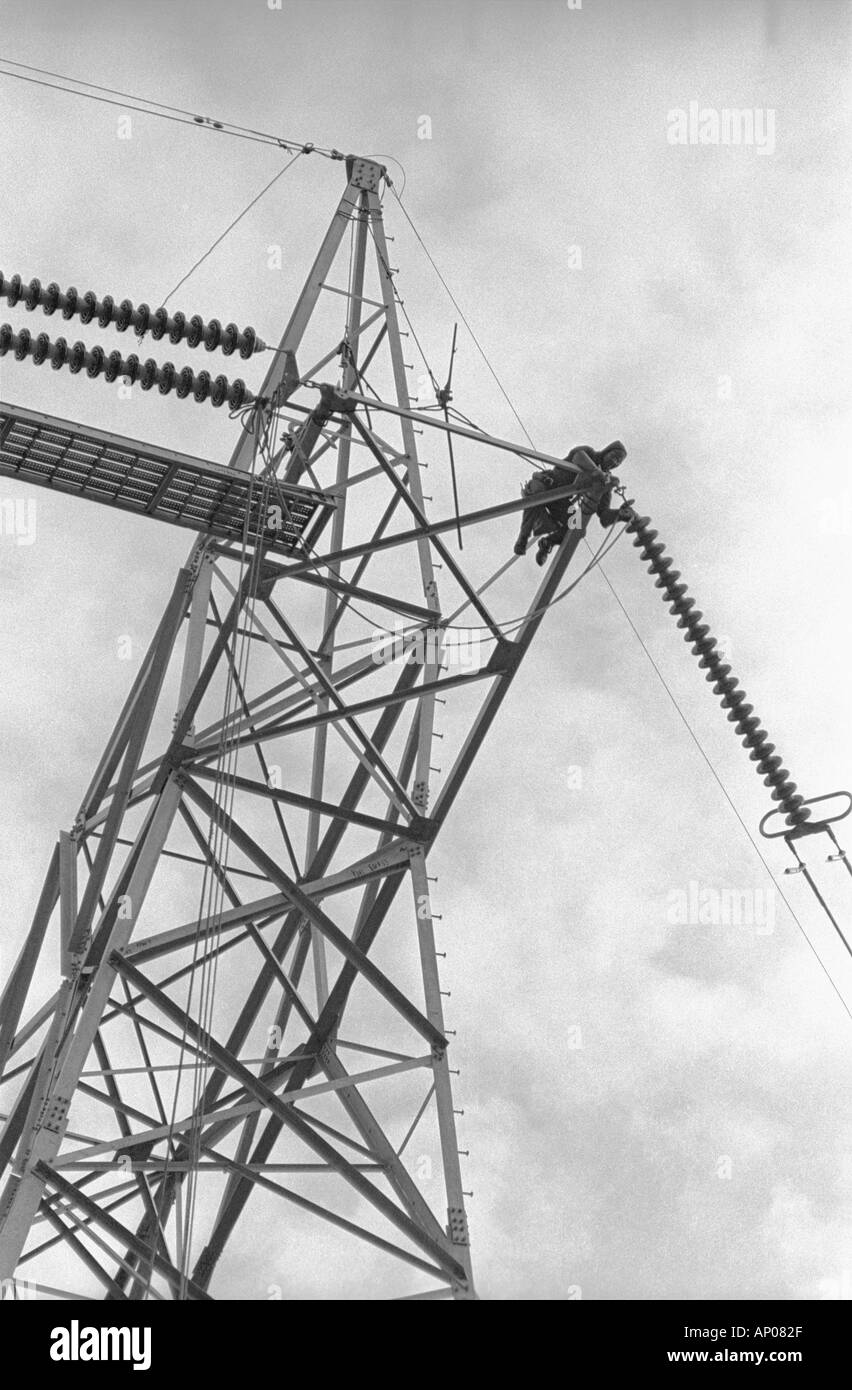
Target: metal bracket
[364,173]
[54,1113]
[505,657]
[421,828]
[290,381]
[457,1225]
[332,401]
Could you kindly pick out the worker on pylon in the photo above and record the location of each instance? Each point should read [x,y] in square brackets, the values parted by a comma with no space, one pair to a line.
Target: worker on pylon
[552,520]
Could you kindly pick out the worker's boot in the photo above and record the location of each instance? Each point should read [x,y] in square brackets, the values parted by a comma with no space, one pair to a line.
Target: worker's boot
[544,548]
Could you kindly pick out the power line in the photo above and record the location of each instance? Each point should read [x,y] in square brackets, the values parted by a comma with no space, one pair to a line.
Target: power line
[723,788]
[127,105]
[46,72]
[161,109]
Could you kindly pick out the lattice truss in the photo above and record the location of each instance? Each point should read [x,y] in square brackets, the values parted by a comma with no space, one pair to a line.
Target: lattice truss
[226,1068]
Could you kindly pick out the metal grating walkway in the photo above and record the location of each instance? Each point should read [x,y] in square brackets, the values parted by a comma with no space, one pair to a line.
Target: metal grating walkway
[148,481]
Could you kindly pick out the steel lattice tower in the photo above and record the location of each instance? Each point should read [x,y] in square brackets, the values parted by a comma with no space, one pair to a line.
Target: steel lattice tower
[248,1001]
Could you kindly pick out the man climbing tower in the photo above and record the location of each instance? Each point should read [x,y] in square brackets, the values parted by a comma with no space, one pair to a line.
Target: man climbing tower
[552,520]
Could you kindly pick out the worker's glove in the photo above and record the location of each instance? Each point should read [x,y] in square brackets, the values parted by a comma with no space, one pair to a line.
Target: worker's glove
[625,511]
[520,547]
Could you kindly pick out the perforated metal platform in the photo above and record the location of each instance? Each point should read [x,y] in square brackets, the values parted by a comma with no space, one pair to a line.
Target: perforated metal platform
[147,481]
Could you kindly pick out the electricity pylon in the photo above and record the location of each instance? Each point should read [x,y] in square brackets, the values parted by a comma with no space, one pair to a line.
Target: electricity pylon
[224,1011]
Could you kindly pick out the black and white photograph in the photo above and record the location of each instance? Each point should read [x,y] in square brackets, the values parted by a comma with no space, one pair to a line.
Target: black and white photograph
[425,740]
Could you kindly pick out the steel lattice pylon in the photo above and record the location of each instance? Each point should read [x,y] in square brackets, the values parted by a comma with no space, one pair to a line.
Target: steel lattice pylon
[237,1016]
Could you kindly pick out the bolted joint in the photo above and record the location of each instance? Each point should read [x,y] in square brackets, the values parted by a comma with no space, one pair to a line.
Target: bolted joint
[332,402]
[421,828]
[54,1112]
[172,767]
[177,755]
[420,794]
[505,657]
[289,382]
[457,1225]
[364,173]
[200,556]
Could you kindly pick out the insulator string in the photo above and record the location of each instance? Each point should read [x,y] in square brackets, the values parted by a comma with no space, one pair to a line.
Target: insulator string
[125,314]
[725,685]
[201,386]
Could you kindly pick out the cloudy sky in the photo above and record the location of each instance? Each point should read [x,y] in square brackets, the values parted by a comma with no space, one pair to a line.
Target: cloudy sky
[653,1110]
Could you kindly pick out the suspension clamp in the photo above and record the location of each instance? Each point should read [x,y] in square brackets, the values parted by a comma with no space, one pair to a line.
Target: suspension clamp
[806,827]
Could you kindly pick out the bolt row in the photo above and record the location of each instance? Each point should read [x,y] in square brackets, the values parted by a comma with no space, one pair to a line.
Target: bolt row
[159,322]
[77,357]
[727,687]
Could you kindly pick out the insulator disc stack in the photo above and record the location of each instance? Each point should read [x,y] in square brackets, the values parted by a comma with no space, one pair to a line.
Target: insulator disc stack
[725,685]
[95,362]
[141,318]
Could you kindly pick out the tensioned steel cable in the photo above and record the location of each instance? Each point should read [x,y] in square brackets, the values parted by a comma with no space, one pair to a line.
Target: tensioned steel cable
[725,793]
[161,109]
[635,630]
[462,316]
[232,225]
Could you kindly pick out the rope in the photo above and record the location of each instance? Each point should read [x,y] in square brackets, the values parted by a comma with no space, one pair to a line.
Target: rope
[509,623]
[215,874]
[265,770]
[231,226]
[524,458]
[212,896]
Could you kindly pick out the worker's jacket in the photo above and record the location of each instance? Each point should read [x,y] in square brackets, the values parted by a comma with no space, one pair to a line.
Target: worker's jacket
[556,515]
[595,455]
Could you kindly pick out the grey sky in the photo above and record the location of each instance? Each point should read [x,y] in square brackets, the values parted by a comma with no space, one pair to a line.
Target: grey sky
[707,326]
